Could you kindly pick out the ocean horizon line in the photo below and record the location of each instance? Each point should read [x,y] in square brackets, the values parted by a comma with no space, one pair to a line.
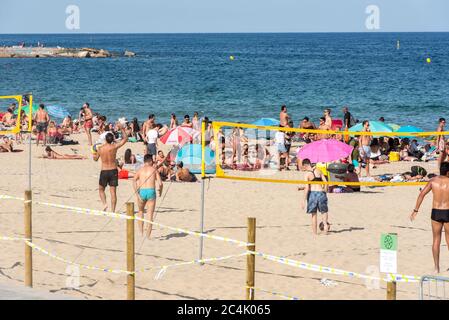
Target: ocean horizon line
[221,33]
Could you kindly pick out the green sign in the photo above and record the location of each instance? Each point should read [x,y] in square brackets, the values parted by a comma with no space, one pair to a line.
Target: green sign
[389,241]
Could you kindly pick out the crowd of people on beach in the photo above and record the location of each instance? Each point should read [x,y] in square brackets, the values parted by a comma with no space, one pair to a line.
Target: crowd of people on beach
[238,151]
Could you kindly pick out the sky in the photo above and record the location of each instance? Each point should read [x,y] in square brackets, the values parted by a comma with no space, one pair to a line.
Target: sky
[210,16]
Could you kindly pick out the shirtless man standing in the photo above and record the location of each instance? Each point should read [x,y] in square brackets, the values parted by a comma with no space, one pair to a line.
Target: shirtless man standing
[315,196]
[440,141]
[328,118]
[42,119]
[109,171]
[439,186]
[145,187]
[88,121]
[284,117]
[365,146]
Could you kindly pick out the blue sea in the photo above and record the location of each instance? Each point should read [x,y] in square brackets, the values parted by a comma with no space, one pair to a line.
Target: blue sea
[183,73]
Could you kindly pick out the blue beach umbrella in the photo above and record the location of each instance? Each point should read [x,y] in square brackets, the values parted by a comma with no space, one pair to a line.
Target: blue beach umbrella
[409,129]
[375,126]
[191,155]
[267,122]
[57,112]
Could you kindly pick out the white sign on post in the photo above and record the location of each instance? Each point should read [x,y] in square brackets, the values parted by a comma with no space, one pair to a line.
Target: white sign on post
[388,253]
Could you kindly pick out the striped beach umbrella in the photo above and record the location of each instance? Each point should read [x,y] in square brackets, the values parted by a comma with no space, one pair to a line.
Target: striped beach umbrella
[177,136]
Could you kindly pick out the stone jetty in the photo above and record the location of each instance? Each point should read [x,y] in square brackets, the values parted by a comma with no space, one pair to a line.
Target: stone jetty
[58,52]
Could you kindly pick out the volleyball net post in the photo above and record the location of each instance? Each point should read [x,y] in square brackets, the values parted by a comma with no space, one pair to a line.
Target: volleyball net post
[203,178]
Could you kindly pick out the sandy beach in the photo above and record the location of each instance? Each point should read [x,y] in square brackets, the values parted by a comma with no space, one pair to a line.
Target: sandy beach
[283,229]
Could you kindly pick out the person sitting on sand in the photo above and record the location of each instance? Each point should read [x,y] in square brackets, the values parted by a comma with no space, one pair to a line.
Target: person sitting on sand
[144,184]
[439,186]
[166,170]
[161,159]
[51,154]
[351,176]
[315,196]
[8,118]
[67,125]
[6,145]
[123,173]
[183,174]
[54,136]
[404,152]
[129,157]
[376,156]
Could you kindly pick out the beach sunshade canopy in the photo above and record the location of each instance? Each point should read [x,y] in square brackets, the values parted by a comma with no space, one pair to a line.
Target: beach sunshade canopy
[375,126]
[267,122]
[409,129]
[190,155]
[26,109]
[57,111]
[178,136]
[394,126]
[325,150]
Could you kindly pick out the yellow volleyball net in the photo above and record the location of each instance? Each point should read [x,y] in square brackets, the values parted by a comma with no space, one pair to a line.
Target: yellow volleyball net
[15,123]
[247,152]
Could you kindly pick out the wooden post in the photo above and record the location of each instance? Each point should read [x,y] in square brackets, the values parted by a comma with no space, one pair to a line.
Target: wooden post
[28,235]
[251,259]
[391,290]
[131,278]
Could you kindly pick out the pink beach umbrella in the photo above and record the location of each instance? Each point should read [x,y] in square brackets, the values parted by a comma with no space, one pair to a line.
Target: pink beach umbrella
[325,150]
[178,136]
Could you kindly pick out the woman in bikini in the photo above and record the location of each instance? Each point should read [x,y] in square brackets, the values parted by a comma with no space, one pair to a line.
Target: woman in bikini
[50,154]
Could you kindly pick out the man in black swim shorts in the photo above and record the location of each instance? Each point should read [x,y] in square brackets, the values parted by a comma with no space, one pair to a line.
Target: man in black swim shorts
[109,171]
[439,185]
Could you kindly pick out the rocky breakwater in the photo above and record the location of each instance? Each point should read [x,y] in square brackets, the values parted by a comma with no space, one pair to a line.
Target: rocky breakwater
[42,52]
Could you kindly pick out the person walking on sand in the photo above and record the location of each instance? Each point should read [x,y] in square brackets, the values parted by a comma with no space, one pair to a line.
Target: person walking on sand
[145,187]
[439,186]
[365,146]
[42,119]
[109,171]
[88,121]
[440,143]
[284,117]
[315,196]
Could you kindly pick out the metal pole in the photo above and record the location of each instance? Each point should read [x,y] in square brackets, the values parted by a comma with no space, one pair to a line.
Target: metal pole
[130,255]
[203,177]
[28,235]
[30,115]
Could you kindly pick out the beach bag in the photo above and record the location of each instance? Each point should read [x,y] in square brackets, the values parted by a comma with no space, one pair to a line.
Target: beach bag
[418,171]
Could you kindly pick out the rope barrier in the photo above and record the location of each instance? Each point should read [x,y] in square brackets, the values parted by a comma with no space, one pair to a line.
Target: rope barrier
[123,216]
[322,269]
[280,295]
[162,268]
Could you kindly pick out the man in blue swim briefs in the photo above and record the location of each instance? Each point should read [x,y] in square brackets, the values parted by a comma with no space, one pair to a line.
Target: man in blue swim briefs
[315,196]
[145,187]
